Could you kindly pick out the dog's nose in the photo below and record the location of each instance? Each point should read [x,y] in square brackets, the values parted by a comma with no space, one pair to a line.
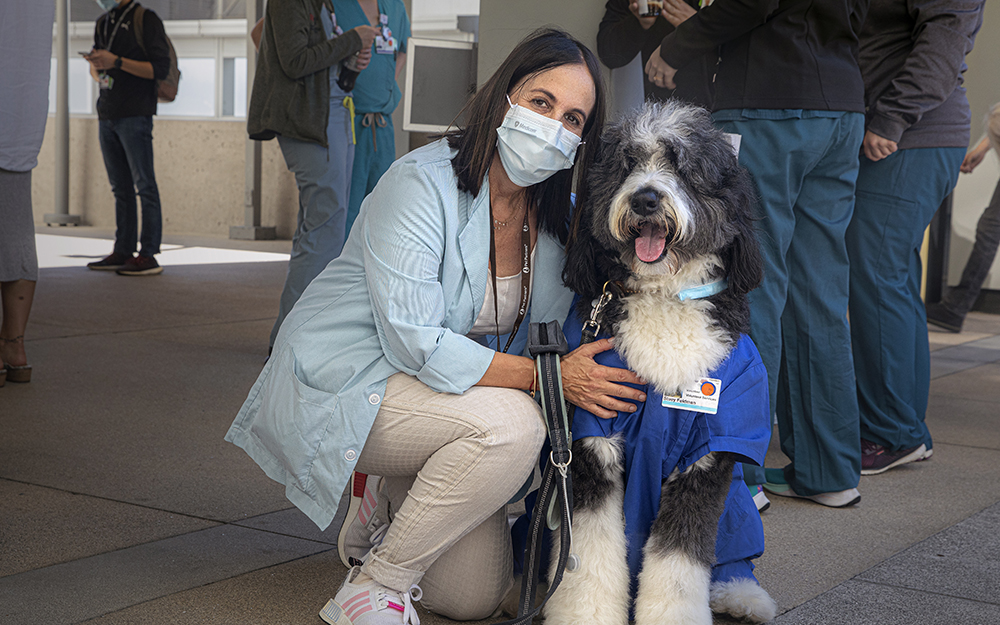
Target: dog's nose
[645,202]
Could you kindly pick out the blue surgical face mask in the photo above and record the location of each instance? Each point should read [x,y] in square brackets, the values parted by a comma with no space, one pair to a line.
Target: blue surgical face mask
[533,147]
[107,5]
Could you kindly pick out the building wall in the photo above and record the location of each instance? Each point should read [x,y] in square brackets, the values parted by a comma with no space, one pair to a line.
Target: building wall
[502,23]
[199,170]
[199,161]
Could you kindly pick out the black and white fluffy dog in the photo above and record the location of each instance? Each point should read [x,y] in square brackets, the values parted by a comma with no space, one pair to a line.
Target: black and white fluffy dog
[667,208]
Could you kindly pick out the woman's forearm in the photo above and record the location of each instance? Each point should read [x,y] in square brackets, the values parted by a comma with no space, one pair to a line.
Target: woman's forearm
[509,371]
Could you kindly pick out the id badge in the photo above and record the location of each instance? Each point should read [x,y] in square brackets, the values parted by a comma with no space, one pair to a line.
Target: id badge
[384,42]
[385,46]
[702,397]
[105,81]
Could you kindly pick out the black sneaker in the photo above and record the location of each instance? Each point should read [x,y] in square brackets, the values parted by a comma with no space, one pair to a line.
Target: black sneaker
[112,262]
[941,316]
[877,459]
[140,266]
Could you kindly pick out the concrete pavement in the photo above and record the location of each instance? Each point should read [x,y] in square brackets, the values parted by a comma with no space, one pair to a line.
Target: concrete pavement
[121,503]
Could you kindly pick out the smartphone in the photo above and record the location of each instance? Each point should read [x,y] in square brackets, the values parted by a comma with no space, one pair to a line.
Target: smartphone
[83,53]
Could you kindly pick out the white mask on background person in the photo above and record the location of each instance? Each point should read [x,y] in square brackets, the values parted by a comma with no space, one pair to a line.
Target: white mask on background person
[107,5]
[533,147]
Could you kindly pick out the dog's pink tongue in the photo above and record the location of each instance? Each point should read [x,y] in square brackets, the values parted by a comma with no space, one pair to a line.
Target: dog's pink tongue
[650,242]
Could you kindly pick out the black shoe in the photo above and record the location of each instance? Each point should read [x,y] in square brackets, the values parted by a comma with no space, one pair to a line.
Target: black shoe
[941,316]
[112,262]
[140,266]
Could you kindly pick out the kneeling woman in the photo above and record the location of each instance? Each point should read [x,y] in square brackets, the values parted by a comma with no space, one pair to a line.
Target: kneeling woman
[394,361]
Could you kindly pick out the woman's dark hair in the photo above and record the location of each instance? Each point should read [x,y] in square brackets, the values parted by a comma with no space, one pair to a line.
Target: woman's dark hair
[542,50]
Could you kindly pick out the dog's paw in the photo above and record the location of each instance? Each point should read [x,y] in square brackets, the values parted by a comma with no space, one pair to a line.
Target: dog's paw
[673,589]
[743,599]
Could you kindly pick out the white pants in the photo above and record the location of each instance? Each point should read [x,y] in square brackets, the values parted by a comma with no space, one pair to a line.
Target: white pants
[450,463]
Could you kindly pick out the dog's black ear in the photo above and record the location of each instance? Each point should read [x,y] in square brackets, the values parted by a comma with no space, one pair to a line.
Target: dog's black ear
[581,273]
[743,260]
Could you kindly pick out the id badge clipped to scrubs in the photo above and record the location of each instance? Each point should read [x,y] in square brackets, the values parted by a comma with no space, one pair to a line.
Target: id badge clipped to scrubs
[384,43]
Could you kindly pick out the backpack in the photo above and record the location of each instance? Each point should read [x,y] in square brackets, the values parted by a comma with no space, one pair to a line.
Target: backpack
[166,89]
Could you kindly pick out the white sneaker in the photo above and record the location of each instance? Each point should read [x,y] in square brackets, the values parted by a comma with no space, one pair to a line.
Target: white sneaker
[838,499]
[362,529]
[371,604]
[759,498]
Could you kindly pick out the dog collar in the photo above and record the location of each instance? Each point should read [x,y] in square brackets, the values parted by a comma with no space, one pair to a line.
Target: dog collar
[704,290]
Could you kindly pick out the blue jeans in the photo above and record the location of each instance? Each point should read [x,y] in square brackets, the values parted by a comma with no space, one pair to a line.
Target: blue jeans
[127,146]
[897,197]
[805,171]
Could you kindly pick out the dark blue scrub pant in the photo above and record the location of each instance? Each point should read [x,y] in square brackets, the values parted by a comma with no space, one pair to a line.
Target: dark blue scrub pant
[897,197]
[805,170]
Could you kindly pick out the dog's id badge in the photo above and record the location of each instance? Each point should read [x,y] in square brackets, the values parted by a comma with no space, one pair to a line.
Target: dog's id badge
[702,397]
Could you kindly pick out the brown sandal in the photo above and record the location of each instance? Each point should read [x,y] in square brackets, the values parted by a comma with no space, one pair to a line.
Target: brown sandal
[18,374]
[14,373]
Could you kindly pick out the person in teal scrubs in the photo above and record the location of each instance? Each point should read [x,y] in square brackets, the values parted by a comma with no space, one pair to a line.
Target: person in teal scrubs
[376,93]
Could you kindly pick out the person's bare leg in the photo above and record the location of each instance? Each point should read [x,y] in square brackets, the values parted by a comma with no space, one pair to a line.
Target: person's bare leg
[17,297]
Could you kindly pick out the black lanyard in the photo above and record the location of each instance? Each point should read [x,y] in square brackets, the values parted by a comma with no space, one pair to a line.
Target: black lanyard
[119,23]
[525,277]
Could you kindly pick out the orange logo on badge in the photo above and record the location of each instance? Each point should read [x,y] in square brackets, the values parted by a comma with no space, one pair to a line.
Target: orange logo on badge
[707,389]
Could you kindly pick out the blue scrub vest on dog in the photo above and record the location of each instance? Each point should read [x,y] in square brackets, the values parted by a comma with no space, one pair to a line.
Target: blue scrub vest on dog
[659,439]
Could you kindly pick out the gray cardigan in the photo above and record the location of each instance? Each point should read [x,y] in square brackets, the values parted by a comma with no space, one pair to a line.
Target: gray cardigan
[291,89]
[912,59]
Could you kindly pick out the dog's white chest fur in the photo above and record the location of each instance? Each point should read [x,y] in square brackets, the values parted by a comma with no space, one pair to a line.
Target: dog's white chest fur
[669,342]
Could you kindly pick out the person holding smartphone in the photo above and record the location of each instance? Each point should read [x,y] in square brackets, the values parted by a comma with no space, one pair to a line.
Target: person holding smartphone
[127,70]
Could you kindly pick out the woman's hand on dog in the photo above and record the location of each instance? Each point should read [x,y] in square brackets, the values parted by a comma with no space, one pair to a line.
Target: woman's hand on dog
[596,388]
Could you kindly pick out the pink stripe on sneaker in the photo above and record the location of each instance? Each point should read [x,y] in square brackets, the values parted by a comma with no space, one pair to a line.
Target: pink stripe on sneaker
[358,613]
[354,601]
[396,606]
[365,512]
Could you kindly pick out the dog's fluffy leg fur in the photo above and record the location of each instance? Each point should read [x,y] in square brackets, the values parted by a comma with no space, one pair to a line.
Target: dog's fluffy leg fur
[679,553]
[743,599]
[598,592]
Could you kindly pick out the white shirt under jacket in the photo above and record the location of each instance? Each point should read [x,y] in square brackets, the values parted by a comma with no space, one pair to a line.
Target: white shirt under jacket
[402,296]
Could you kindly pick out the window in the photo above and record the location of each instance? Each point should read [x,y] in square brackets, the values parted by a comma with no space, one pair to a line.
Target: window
[234,87]
[82,88]
[196,94]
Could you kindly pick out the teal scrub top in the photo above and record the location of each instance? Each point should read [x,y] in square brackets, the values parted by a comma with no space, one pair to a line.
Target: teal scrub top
[376,90]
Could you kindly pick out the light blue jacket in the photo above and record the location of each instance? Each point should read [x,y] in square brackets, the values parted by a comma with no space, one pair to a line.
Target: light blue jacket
[407,288]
